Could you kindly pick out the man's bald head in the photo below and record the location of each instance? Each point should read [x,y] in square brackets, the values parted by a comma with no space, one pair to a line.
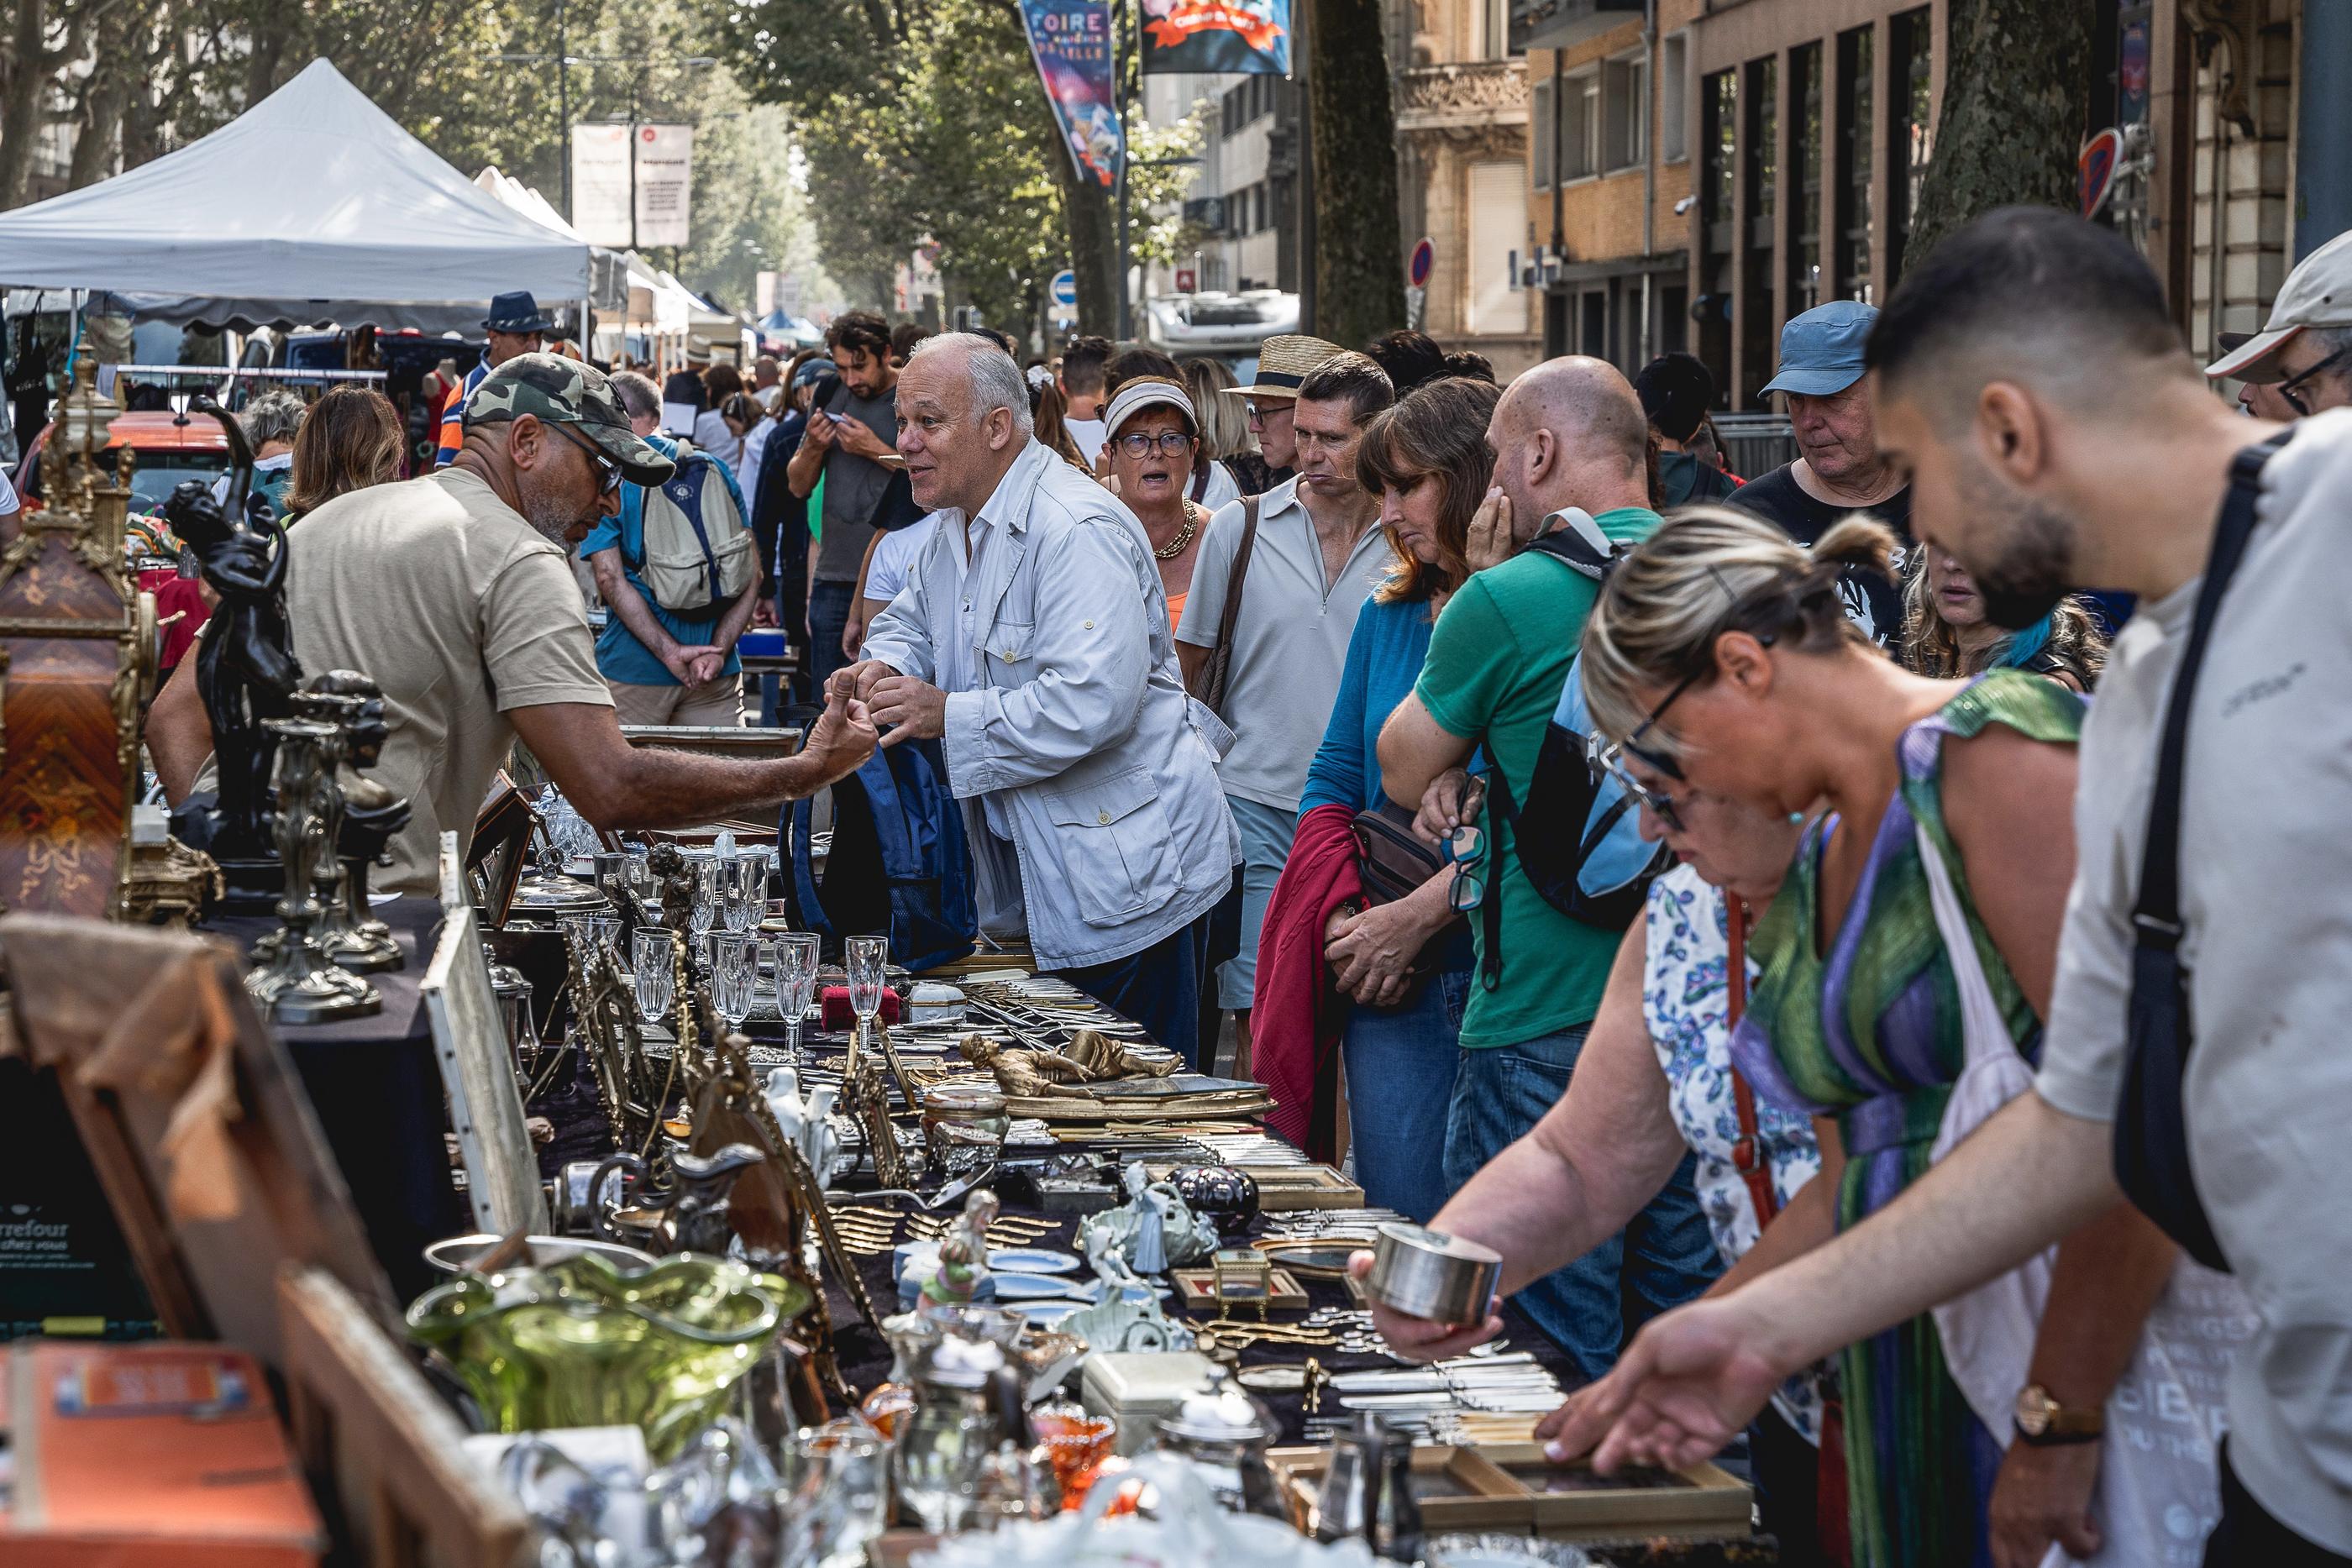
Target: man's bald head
[1570,432]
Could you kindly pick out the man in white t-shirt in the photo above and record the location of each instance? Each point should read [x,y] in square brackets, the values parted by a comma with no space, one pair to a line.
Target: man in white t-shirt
[1083,390]
[2029,374]
[886,567]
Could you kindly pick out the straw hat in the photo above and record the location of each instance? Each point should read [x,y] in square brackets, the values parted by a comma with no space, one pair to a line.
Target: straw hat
[1285,361]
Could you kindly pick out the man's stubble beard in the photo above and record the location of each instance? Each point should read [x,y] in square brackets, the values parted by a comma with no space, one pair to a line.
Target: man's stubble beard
[2034,567]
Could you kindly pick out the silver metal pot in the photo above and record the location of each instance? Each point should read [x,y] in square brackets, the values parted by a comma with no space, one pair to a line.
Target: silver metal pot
[1434,1276]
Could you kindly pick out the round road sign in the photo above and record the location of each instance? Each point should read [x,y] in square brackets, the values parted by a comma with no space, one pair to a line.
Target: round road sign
[1424,257]
[1064,289]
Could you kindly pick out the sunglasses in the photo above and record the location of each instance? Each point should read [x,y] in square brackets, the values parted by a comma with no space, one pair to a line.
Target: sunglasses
[2287,389]
[608,473]
[1465,847]
[1607,760]
[1139,444]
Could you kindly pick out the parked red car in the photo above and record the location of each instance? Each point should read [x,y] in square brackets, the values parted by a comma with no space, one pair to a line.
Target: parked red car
[170,448]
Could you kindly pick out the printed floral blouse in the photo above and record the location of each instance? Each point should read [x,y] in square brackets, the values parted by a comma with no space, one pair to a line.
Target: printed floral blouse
[1684,1002]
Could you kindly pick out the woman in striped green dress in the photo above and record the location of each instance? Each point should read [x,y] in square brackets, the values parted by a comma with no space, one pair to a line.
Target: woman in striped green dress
[1720,658]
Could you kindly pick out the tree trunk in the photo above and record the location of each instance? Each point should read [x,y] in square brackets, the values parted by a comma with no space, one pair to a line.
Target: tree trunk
[2016,101]
[1359,258]
[104,96]
[1094,240]
[20,110]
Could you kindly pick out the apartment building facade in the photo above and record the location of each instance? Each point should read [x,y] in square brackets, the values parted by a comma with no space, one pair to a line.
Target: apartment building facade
[1702,170]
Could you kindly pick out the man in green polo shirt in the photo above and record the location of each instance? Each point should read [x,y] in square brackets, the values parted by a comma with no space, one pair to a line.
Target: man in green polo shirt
[1568,433]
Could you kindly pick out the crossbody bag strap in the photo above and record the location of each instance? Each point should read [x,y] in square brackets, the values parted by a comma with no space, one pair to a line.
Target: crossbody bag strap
[1748,1153]
[2156,916]
[1213,672]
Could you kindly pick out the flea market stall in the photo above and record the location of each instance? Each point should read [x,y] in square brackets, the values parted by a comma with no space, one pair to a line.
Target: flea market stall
[596,1210]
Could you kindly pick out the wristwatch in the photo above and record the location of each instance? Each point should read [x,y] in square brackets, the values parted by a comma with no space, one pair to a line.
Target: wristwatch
[2043,1422]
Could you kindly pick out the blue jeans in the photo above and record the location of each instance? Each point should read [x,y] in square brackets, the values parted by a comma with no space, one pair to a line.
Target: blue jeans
[1664,1258]
[1267,833]
[1401,1063]
[828,617]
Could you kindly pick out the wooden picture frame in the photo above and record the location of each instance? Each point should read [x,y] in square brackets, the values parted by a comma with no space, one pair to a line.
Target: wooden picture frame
[195,1119]
[383,1453]
[470,1045]
[500,849]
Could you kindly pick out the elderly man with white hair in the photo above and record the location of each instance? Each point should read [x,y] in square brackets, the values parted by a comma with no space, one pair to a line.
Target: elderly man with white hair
[1033,638]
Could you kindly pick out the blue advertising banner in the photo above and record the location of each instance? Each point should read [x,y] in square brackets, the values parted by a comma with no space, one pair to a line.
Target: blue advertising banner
[1070,40]
[1248,36]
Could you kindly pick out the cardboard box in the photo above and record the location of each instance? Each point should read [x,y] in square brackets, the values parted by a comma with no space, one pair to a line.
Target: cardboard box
[162,1454]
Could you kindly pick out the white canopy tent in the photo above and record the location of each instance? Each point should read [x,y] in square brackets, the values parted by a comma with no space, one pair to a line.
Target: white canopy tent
[313,206]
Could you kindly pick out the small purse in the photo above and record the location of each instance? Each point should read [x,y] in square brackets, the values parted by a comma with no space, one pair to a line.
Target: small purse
[1392,863]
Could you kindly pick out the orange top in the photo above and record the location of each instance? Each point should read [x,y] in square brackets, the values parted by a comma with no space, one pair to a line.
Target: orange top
[1175,611]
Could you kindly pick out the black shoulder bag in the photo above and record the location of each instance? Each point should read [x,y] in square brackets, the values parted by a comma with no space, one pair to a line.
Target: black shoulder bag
[2151,1129]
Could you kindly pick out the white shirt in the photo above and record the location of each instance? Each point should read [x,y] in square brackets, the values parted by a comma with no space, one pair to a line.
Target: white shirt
[1088,436]
[1290,642]
[2266,903]
[711,434]
[8,501]
[747,470]
[887,573]
[1223,489]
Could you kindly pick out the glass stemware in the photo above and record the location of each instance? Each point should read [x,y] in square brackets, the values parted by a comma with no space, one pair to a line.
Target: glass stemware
[656,972]
[865,958]
[706,897]
[796,962]
[733,974]
[746,888]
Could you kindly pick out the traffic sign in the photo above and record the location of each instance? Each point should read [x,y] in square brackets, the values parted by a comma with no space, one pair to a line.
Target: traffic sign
[1064,291]
[1424,257]
[2096,169]
[1186,280]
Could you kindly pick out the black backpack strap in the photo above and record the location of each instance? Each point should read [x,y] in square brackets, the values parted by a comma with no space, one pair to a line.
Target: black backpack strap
[2151,1136]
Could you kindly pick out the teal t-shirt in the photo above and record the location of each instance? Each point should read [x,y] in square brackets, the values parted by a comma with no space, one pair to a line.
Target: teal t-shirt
[619,656]
[1498,658]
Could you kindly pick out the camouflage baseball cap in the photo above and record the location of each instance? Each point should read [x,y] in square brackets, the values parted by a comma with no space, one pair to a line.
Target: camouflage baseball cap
[565,391]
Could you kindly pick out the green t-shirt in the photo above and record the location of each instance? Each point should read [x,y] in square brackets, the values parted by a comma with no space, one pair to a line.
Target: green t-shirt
[1497,660]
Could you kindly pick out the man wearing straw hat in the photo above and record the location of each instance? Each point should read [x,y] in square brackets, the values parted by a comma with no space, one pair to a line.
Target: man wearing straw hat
[1282,362]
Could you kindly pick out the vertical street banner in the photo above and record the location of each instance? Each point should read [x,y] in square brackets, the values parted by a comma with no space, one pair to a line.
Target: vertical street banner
[1251,37]
[664,183]
[600,185]
[1070,40]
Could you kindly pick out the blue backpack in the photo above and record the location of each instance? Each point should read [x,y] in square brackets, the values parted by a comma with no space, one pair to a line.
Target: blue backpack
[898,863]
[1578,838]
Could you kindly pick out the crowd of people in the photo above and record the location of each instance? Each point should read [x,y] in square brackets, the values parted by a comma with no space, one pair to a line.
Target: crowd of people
[1761,907]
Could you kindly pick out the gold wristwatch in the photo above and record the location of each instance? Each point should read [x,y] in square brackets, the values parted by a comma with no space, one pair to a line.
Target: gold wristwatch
[2043,1422]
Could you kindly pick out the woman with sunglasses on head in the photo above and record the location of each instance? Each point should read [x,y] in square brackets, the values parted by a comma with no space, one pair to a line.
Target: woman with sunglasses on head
[1654,1082]
[1719,657]
[1426,459]
[1153,446]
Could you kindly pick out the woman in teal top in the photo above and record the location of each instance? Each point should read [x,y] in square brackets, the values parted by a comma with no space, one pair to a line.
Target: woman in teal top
[1720,658]
[1427,460]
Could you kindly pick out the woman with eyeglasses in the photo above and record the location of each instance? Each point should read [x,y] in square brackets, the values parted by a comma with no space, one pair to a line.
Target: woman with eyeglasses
[1654,1082]
[1153,446]
[1719,657]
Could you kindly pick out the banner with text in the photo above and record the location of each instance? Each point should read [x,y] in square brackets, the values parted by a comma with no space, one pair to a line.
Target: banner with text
[664,183]
[1247,37]
[1070,40]
[600,185]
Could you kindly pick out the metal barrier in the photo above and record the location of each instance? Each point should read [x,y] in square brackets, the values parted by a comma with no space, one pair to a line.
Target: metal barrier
[1755,443]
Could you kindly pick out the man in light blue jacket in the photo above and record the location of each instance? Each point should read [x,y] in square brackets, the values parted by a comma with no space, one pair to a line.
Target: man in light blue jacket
[1032,639]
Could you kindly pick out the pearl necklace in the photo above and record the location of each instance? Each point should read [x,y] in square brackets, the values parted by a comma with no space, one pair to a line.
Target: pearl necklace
[1176,546]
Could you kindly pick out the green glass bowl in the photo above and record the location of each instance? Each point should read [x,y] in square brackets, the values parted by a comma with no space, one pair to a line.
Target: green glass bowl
[585,1343]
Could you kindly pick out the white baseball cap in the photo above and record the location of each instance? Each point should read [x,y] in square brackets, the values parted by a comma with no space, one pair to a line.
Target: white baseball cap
[2318,293]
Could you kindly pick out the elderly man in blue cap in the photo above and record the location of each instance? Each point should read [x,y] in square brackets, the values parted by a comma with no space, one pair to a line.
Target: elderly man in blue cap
[1839,468]
[515,326]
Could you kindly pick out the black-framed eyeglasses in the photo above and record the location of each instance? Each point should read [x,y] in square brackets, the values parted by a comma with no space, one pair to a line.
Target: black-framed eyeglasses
[1663,761]
[608,473]
[2287,389]
[1465,847]
[1607,760]
[1139,444]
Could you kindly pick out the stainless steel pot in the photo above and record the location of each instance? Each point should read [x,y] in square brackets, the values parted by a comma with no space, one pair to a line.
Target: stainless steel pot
[1429,1275]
